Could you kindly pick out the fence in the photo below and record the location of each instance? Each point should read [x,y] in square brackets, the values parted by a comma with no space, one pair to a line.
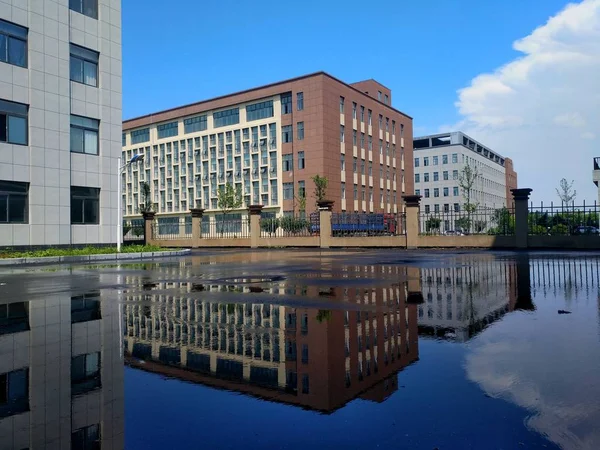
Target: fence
[171,228]
[287,226]
[498,222]
[133,231]
[365,224]
[224,227]
[563,220]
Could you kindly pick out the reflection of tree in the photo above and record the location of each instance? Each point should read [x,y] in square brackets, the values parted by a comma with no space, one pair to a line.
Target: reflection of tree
[324,315]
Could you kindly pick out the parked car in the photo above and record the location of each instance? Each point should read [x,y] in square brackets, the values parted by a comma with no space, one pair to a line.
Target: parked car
[586,230]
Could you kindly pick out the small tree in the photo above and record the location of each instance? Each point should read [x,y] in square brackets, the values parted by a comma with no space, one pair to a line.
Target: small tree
[269,225]
[320,187]
[479,226]
[228,199]
[432,224]
[467,180]
[565,191]
[324,315]
[301,199]
[464,223]
[146,196]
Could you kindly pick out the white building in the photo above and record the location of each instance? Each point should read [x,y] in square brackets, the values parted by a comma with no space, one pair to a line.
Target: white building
[60,121]
[439,161]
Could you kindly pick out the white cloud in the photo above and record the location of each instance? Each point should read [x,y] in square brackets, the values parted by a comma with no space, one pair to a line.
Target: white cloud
[543,108]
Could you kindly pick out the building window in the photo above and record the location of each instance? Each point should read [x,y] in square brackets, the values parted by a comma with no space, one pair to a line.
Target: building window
[300,129]
[354,164]
[417,162]
[301,189]
[436,176]
[305,386]
[300,101]
[167,130]
[380,122]
[436,208]
[354,110]
[124,139]
[370,117]
[436,160]
[426,177]
[286,103]
[13,44]
[444,159]
[446,210]
[426,161]
[446,192]
[139,136]
[417,178]
[455,191]
[87,438]
[379,94]
[259,111]
[301,160]
[362,113]
[427,209]
[356,192]
[454,158]
[226,117]
[84,65]
[417,191]
[426,193]
[341,105]
[354,137]
[85,205]
[288,191]
[386,99]
[84,135]
[455,174]
[457,207]
[362,140]
[436,192]
[195,124]
[287,134]
[85,373]
[343,191]
[85,7]
[288,162]
[85,308]
[343,161]
[13,122]
[342,137]
[14,392]
[445,175]
[13,202]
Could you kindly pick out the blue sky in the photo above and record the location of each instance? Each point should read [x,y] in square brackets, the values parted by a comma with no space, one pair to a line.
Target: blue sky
[424,50]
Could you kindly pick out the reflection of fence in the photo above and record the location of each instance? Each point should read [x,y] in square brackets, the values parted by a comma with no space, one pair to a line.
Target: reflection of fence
[364,224]
[479,221]
[563,220]
[133,231]
[170,228]
[226,228]
[287,226]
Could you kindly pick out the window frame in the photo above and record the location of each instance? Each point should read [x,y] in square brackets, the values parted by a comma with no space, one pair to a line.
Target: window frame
[301,160]
[83,197]
[195,124]
[8,193]
[300,101]
[20,33]
[85,55]
[11,109]
[300,131]
[83,4]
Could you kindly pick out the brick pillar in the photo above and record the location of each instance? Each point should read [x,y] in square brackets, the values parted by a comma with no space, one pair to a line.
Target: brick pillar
[521,197]
[412,220]
[148,221]
[325,208]
[254,212]
[197,214]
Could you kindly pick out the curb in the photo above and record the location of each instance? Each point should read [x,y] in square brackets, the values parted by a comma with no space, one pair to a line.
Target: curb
[93,258]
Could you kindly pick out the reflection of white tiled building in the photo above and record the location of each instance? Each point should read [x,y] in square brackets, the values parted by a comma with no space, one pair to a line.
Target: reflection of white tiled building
[460,301]
[61,373]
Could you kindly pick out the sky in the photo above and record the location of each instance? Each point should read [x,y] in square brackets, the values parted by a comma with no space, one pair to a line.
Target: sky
[522,77]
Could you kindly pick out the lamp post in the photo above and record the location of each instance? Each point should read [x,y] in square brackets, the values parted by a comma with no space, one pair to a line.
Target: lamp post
[120,170]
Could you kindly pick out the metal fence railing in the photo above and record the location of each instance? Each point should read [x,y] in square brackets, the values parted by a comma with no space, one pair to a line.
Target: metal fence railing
[171,228]
[287,226]
[365,224]
[226,228]
[482,220]
[563,219]
[133,231]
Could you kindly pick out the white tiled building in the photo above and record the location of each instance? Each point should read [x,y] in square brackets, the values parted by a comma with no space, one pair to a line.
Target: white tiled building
[60,121]
[439,161]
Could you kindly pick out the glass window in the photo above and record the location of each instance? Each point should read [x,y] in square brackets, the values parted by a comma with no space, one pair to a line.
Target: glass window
[85,205]
[86,7]
[455,191]
[457,207]
[87,438]
[343,190]
[370,117]
[444,159]
[436,176]
[343,162]
[288,162]
[426,177]
[301,161]
[259,111]
[287,133]
[426,193]
[300,129]
[166,130]
[426,161]
[417,162]
[84,135]
[195,124]
[454,158]
[84,65]
[417,191]
[13,122]
[300,101]
[286,103]
[341,105]
[124,139]
[139,136]
[288,191]
[445,175]
[13,44]
[354,164]
[301,189]
[455,174]
[13,202]
[354,110]
[417,178]
[362,113]
[427,209]
[446,192]
[436,192]
[436,160]
[226,117]
[342,137]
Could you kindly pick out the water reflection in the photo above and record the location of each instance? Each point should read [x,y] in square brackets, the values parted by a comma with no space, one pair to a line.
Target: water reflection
[61,373]
[258,345]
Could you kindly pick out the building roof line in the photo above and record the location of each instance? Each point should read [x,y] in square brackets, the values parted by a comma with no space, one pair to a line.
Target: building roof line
[257,88]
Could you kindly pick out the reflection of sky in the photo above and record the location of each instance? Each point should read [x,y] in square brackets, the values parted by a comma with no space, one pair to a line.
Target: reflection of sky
[549,364]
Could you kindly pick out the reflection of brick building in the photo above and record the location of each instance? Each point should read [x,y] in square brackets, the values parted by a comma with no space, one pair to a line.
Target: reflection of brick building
[318,359]
[462,299]
[61,373]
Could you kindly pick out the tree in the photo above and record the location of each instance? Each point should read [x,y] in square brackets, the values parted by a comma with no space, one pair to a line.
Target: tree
[479,226]
[324,315]
[565,191]
[301,199]
[320,187]
[228,199]
[432,224]
[467,180]
[504,221]
[464,224]
[146,197]
[269,225]
[292,225]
